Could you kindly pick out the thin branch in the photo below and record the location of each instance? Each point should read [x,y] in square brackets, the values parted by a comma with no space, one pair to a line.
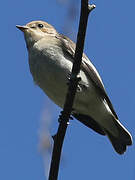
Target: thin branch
[65,114]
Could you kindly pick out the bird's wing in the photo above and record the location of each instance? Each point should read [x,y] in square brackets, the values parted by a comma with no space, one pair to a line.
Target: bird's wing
[69,49]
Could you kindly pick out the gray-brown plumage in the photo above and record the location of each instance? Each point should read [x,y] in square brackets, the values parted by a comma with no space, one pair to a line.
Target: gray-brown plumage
[51,56]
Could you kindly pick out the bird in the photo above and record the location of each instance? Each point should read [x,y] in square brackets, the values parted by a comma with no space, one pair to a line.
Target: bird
[51,56]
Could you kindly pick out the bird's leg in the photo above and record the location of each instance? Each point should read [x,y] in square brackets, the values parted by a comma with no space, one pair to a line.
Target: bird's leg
[80,86]
[68,78]
[59,119]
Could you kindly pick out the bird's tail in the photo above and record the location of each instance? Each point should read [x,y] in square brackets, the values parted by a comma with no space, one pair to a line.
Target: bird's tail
[123,140]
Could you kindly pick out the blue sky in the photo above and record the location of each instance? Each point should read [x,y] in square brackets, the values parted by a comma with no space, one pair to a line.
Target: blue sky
[110,44]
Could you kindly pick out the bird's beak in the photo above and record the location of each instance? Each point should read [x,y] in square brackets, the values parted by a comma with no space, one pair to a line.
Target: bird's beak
[22,28]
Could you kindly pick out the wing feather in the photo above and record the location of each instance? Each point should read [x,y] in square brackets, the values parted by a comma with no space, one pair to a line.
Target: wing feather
[86,66]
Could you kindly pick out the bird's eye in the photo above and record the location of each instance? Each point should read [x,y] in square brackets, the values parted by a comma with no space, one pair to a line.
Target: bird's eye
[40,25]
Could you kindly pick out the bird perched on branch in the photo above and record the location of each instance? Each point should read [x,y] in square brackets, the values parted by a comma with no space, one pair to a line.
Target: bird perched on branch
[51,57]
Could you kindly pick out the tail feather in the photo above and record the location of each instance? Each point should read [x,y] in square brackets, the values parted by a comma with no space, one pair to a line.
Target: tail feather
[119,146]
[121,142]
[116,132]
[89,122]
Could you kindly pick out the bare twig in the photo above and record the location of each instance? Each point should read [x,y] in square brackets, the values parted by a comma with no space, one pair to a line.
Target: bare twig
[65,114]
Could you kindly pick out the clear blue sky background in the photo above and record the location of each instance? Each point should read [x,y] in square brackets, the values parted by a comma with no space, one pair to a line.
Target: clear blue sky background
[110,44]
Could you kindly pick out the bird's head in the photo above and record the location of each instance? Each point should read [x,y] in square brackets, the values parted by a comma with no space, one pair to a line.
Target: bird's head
[36,30]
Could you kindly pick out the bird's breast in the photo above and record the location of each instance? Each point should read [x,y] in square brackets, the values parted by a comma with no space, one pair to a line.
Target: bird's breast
[50,70]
